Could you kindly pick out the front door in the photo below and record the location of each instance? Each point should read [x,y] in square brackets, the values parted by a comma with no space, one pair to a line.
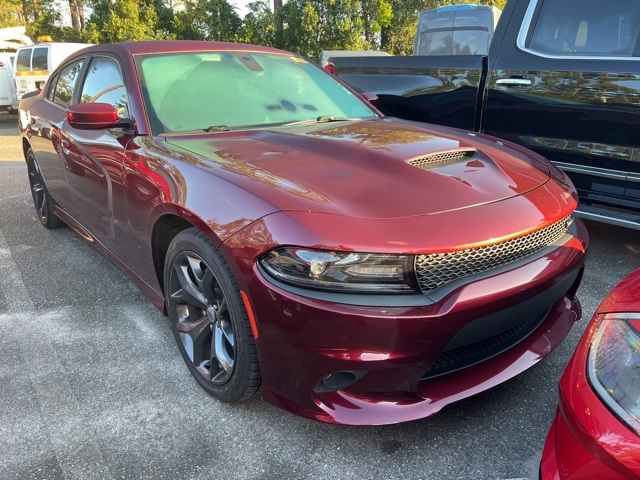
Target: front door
[94,157]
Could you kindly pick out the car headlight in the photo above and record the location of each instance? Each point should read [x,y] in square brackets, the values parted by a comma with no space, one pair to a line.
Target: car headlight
[345,272]
[614,365]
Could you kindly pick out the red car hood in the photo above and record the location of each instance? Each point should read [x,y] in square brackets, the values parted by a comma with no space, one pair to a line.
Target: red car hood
[625,297]
[361,168]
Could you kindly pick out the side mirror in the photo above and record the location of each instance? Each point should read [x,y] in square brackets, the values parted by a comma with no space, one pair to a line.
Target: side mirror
[372,98]
[95,116]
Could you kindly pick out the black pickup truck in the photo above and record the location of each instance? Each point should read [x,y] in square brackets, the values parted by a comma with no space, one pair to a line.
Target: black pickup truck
[562,77]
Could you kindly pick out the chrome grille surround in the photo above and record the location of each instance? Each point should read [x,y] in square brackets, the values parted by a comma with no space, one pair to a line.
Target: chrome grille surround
[437,269]
[449,156]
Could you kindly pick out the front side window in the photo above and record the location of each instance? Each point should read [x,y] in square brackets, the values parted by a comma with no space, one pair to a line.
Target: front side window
[39,61]
[23,60]
[596,28]
[104,84]
[66,83]
[198,90]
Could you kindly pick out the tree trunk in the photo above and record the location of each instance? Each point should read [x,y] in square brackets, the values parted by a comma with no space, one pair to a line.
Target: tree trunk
[277,5]
[385,38]
[77,15]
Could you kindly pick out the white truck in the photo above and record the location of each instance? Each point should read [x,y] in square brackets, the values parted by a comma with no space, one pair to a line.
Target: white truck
[8,96]
[34,63]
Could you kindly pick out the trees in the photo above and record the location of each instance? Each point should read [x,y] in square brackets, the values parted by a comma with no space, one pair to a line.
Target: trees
[121,21]
[11,13]
[303,26]
[207,20]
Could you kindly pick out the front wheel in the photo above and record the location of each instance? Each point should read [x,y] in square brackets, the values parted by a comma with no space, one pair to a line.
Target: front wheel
[208,318]
[41,198]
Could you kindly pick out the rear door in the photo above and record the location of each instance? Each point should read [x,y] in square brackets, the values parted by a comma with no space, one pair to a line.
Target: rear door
[566,83]
[44,124]
[32,68]
[8,99]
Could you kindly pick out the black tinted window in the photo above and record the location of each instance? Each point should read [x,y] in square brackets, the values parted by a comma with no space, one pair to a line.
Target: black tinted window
[39,61]
[66,83]
[23,60]
[596,28]
[104,84]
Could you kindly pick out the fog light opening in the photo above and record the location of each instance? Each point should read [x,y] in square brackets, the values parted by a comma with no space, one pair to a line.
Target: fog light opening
[339,380]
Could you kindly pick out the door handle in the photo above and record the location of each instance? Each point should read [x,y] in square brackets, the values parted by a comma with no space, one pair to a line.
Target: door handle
[514,82]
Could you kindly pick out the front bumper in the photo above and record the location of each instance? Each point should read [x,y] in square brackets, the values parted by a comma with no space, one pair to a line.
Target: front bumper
[390,352]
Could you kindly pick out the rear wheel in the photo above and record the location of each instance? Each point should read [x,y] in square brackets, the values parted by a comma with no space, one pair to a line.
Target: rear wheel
[208,318]
[41,198]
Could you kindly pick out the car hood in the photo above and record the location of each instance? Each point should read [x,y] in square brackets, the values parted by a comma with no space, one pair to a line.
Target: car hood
[625,297]
[382,168]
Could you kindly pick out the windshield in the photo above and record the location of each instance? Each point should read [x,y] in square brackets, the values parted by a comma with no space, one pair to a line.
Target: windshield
[217,91]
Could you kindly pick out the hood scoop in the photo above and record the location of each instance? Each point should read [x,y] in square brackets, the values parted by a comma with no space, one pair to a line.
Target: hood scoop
[442,158]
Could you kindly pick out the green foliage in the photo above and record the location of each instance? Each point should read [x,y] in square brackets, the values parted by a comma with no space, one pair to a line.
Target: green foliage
[121,21]
[303,26]
[397,38]
[213,20]
[259,26]
[314,25]
[11,13]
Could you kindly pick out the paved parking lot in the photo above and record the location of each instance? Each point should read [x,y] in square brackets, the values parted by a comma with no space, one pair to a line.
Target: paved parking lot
[92,385]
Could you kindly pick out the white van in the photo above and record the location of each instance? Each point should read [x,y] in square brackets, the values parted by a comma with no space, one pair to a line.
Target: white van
[8,96]
[456,30]
[34,63]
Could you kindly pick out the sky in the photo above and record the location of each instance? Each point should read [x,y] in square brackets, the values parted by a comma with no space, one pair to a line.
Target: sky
[241,6]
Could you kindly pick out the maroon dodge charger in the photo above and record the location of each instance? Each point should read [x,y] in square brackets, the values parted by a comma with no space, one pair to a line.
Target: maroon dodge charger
[356,269]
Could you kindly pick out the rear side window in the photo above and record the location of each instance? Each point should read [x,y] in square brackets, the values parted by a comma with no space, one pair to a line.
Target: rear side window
[597,28]
[51,89]
[39,61]
[104,84]
[66,83]
[23,60]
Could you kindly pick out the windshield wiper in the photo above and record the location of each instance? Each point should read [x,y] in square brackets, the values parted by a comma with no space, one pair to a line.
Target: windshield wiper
[322,119]
[217,128]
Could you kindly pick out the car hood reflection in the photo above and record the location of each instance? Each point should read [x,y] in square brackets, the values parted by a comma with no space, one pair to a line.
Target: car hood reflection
[362,168]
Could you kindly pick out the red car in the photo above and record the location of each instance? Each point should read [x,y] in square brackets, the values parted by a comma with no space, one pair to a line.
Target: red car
[596,431]
[357,269]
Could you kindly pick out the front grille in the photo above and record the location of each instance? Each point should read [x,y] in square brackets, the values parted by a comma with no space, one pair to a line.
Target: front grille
[436,269]
[449,156]
[467,356]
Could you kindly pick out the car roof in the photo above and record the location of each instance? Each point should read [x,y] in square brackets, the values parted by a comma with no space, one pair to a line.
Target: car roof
[175,46]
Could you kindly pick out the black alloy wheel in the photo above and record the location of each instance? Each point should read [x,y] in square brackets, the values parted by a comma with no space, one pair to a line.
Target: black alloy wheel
[41,198]
[208,318]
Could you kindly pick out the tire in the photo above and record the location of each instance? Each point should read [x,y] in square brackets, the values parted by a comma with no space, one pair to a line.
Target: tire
[209,320]
[41,198]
